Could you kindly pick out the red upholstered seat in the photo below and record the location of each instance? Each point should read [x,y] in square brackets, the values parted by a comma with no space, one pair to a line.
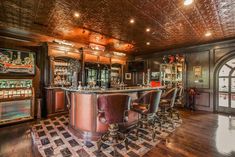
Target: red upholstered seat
[148,103]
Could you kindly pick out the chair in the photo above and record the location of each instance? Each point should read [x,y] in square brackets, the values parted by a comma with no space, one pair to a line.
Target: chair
[179,97]
[113,110]
[147,106]
[167,106]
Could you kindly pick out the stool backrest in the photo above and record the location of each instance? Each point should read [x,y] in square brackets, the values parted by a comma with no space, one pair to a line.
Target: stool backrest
[153,99]
[171,95]
[180,91]
[114,107]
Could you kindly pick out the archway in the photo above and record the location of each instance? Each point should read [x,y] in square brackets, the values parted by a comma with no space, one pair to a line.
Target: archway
[225,96]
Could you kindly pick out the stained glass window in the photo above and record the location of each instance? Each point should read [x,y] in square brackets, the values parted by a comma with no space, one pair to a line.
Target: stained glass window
[231,63]
[227,85]
[233,101]
[223,85]
[224,71]
[223,99]
[232,84]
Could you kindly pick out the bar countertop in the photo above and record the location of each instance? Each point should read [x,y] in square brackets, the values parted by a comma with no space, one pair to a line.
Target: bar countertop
[112,90]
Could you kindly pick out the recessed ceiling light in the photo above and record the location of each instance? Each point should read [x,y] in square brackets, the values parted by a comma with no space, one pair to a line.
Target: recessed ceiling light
[97,38]
[132,21]
[148,43]
[188,2]
[147,29]
[76,14]
[208,34]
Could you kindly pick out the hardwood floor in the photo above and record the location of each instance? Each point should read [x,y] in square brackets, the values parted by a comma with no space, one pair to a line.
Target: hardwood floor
[202,134]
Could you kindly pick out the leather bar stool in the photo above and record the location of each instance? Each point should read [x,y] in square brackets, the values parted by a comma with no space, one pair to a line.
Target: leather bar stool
[147,106]
[167,106]
[113,110]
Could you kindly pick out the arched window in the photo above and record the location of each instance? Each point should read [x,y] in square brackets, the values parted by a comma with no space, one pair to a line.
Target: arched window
[226,87]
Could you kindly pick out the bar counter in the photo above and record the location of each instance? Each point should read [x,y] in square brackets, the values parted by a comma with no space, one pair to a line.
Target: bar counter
[112,90]
[83,113]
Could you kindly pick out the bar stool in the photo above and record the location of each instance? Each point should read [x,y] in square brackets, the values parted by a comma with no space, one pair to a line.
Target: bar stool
[167,106]
[113,110]
[147,106]
[179,97]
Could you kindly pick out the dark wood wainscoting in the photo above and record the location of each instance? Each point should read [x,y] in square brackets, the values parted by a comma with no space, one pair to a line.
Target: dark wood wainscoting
[209,57]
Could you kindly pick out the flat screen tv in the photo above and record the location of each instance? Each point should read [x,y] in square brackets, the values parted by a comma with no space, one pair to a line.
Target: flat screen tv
[136,66]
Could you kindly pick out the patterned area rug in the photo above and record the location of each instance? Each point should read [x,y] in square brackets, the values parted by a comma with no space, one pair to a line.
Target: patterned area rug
[53,138]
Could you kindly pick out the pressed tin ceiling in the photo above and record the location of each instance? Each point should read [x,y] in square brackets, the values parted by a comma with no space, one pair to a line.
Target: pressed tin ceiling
[106,22]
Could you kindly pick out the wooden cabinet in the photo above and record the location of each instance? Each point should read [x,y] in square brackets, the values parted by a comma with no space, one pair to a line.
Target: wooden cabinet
[56,102]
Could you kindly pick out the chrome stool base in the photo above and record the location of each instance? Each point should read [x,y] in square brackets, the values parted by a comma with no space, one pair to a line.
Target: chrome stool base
[147,122]
[112,138]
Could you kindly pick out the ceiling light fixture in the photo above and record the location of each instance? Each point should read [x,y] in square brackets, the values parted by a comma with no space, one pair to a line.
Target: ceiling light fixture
[208,34]
[63,42]
[76,14]
[147,29]
[148,43]
[119,54]
[188,2]
[132,21]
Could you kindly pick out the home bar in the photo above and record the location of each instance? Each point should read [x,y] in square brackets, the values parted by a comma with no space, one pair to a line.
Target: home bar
[124,78]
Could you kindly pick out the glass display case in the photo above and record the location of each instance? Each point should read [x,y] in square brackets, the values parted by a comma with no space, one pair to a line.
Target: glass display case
[104,77]
[116,74]
[97,74]
[91,75]
[16,100]
[63,71]
[171,74]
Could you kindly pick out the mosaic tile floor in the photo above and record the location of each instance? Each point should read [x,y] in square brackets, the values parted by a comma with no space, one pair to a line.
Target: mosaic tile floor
[53,138]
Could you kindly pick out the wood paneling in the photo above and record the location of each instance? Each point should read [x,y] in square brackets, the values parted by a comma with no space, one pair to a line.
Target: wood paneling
[220,52]
[118,61]
[90,58]
[198,59]
[203,99]
[104,60]
[209,56]
[58,53]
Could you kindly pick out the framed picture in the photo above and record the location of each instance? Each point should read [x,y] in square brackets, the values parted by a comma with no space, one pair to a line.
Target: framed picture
[197,71]
[17,62]
[127,76]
